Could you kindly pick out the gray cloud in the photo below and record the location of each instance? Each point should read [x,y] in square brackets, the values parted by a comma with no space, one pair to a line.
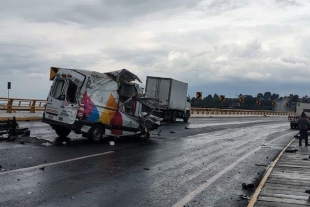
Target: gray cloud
[92,13]
[225,47]
[289,2]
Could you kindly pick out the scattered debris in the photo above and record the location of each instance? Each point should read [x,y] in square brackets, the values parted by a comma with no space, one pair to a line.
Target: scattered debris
[146,168]
[305,159]
[47,144]
[42,168]
[307,191]
[112,143]
[186,128]
[266,157]
[261,165]
[159,132]
[248,186]
[21,142]
[29,193]
[172,132]
[291,150]
[244,197]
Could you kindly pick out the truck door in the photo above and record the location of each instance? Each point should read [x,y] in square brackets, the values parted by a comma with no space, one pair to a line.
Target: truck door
[62,103]
[159,89]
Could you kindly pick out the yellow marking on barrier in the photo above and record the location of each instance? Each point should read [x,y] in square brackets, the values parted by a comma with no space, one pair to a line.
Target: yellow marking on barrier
[32,118]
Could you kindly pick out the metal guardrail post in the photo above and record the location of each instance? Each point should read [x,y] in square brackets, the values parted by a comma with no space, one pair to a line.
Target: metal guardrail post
[33,105]
[9,106]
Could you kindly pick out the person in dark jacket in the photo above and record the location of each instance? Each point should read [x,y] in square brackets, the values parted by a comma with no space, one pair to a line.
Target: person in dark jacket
[303,124]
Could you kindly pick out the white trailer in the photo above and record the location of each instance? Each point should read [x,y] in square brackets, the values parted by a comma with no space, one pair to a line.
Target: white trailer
[172,97]
[300,107]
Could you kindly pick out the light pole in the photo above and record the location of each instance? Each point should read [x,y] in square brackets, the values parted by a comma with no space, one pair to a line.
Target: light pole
[9,87]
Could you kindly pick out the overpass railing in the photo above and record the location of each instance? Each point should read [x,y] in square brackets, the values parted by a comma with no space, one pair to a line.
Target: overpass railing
[13,105]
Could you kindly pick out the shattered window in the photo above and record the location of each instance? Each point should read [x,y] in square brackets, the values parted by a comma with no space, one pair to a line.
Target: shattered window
[71,92]
[58,87]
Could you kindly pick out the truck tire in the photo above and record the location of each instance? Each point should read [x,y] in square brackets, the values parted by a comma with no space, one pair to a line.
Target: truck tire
[62,131]
[186,117]
[174,116]
[95,133]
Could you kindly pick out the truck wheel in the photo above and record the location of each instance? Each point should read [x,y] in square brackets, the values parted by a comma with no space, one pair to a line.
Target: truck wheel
[95,133]
[186,117]
[62,131]
[174,116]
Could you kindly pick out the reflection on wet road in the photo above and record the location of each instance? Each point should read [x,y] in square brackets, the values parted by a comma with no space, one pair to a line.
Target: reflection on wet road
[200,163]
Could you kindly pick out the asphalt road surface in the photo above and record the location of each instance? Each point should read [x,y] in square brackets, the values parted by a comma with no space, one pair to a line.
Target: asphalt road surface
[200,163]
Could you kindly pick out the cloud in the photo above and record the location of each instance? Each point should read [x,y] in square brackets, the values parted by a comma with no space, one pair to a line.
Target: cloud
[210,44]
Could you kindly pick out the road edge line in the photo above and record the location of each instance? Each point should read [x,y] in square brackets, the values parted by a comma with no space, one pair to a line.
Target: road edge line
[266,176]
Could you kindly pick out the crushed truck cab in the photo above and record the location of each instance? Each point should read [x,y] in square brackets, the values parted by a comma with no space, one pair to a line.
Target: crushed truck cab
[96,104]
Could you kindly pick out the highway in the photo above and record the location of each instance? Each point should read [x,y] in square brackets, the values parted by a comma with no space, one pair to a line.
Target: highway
[200,163]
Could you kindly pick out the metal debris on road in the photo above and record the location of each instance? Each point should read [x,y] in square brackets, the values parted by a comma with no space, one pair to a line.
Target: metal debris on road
[261,165]
[46,144]
[248,186]
[244,197]
[172,132]
[112,143]
[42,168]
[291,150]
[146,168]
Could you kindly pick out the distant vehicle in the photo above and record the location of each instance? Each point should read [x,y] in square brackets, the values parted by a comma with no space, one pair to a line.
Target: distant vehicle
[172,97]
[300,107]
[96,104]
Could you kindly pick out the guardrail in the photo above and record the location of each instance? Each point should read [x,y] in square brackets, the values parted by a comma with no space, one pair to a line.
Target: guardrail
[215,111]
[12,105]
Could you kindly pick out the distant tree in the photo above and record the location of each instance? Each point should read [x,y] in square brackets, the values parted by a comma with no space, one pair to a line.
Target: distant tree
[274,96]
[267,95]
[260,95]
[294,98]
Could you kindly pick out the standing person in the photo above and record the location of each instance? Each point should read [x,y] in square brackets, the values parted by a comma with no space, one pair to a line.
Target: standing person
[303,124]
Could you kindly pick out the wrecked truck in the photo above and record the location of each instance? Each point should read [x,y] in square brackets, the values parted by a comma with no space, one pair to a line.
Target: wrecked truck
[98,104]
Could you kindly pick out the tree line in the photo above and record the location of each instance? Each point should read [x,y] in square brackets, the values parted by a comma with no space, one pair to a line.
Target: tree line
[249,102]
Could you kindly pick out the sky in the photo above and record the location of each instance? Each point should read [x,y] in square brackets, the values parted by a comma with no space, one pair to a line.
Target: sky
[227,47]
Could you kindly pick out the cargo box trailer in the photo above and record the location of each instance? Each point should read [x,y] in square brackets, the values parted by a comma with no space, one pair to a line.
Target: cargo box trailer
[172,97]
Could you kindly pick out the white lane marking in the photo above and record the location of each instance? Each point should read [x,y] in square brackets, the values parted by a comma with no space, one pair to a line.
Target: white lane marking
[56,163]
[202,187]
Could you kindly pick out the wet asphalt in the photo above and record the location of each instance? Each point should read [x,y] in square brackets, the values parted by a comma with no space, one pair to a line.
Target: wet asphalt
[200,163]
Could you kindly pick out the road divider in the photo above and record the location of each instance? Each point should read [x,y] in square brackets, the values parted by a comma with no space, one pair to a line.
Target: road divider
[203,112]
